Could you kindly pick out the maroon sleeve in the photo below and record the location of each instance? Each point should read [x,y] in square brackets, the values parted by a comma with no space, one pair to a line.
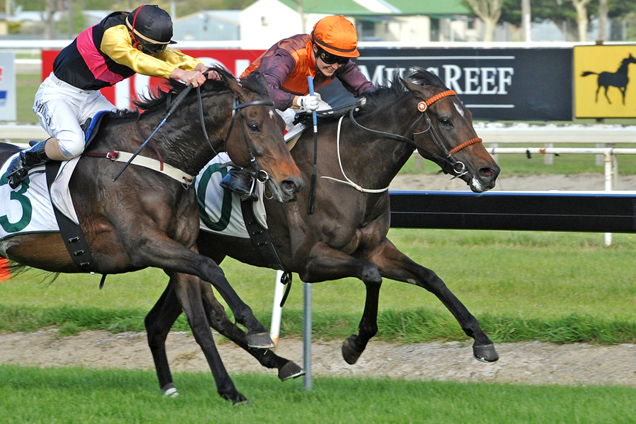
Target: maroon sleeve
[353,80]
[275,69]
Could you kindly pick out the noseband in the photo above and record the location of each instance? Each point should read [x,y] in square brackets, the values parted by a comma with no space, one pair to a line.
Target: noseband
[457,166]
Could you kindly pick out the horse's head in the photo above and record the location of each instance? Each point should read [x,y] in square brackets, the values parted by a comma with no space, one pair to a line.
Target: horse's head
[629,59]
[256,140]
[452,142]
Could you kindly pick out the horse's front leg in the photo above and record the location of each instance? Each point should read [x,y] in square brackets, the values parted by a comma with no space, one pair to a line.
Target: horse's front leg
[326,263]
[167,310]
[162,252]
[187,291]
[396,265]
[218,319]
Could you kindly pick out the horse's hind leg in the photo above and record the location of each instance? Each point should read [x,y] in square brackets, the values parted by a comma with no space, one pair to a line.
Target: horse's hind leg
[219,320]
[158,323]
[395,265]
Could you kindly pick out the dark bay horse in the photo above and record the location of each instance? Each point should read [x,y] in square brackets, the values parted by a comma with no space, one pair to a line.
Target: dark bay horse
[148,219]
[618,79]
[346,236]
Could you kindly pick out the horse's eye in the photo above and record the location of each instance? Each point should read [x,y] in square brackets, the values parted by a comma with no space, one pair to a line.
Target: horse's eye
[445,122]
[254,127]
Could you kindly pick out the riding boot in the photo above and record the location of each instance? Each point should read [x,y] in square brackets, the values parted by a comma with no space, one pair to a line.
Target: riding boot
[241,182]
[20,166]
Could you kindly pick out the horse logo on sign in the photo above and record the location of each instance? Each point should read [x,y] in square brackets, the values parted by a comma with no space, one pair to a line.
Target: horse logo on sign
[618,79]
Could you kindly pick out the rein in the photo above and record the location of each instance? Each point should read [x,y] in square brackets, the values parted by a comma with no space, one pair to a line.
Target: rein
[173,172]
[458,167]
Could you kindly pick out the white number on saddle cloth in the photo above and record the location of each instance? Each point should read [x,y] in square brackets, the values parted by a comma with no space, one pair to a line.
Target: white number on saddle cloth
[26,209]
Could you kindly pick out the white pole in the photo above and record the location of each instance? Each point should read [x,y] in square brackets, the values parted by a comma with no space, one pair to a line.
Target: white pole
[277,311]
[307,379]
[609,171]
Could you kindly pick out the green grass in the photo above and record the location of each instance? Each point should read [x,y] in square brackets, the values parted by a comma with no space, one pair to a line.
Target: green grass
[26,85]
[519,164]
[75,395]
[561,287]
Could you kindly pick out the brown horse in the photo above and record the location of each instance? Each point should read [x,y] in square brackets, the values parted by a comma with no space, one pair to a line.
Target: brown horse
[346,236]
[147,219]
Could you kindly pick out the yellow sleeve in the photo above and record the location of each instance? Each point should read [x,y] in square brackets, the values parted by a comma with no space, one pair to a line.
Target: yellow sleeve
[116,43]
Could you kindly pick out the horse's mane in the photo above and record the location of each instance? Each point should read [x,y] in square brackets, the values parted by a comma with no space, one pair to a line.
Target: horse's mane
[174,88]
[396,91]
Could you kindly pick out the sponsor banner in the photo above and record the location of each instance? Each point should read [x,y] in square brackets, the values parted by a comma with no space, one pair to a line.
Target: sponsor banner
[602,78]
[495,84]
[7,87]
[124,92]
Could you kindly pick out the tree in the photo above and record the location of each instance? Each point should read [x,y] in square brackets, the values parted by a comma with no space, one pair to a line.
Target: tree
[581,17]
[488,11]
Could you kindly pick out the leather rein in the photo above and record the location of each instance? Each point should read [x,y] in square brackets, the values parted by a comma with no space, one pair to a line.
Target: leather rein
[175,173]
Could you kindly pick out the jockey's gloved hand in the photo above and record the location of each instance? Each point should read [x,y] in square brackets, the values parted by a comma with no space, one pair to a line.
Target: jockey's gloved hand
[309,102]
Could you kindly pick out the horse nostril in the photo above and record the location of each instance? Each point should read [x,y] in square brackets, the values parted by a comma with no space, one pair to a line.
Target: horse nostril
[289,187]
[488,173]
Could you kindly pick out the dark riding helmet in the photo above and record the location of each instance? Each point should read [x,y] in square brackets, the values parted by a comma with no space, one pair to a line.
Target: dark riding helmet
[151,26]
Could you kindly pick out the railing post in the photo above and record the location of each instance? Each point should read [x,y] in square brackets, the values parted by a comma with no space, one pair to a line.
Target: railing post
[549,157]
[609,180]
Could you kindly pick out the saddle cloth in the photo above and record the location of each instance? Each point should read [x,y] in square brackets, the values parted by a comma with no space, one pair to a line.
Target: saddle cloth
[219,209]
[28,208]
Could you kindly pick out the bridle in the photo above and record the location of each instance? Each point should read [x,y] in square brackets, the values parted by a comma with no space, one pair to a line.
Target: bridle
[457,166]
[260,174]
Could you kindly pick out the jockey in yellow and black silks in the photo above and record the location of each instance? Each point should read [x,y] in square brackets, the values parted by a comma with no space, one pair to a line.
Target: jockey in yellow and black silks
[121,45]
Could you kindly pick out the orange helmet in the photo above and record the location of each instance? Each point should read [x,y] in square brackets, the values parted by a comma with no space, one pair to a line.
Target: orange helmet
[336,35]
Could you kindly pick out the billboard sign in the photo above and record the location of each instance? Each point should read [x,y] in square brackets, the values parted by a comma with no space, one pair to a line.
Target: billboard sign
[602,78]
[7,87]
[495,84]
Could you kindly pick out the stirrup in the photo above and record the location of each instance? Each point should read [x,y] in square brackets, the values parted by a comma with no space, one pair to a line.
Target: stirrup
[240,182]
[26,160]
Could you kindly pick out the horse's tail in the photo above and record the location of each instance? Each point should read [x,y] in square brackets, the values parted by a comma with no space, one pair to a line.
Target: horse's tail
[586,73]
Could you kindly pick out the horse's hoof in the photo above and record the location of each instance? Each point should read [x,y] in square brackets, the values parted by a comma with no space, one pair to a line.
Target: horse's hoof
[236,398]
[171,393]
[485,353]
[349,354]
[290,370]
[243,401]
[260,341]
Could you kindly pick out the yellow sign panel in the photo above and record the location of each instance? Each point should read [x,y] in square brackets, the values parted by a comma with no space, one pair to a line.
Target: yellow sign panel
[605,81]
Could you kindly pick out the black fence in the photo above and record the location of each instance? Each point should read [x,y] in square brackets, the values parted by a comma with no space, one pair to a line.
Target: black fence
[607,212]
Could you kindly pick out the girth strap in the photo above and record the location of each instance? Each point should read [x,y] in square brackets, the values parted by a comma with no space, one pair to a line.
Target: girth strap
[262,241]
[72,233]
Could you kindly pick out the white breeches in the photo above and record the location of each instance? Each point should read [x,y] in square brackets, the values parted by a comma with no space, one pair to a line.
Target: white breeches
[62,108]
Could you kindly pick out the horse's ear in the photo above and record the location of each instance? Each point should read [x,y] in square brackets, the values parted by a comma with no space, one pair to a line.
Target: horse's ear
[237,89]
[262,81]
[413,87]
[423,77]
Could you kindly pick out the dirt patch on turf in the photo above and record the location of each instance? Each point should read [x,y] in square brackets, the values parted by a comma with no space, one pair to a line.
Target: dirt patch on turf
[524,363]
